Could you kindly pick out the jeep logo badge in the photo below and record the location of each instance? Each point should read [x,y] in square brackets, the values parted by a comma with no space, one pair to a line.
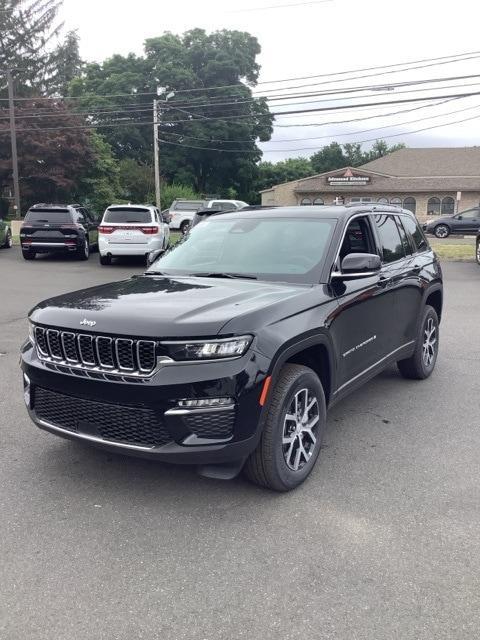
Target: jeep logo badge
[88,323]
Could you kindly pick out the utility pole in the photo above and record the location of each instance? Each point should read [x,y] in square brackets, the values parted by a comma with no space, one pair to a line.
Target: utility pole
[13,138]
[155,154]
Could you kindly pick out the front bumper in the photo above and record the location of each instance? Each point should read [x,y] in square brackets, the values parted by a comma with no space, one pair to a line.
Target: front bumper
[107,413]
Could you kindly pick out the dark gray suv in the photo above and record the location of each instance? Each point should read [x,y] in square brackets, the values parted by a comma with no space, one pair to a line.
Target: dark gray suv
[465,223]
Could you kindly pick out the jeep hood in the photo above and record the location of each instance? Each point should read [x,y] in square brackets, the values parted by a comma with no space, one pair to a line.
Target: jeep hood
[159,306]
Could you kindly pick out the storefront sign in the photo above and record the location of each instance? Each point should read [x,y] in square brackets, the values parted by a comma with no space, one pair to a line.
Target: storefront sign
[348,179]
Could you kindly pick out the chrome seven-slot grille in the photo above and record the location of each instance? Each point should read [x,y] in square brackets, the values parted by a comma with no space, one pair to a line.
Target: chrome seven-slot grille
[110,355]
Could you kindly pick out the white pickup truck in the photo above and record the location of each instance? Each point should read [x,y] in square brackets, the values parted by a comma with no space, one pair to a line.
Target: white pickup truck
[182,211]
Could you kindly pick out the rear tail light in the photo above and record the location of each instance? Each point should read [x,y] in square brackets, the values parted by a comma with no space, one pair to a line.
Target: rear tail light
[70,241]
[27,240]
[150,231]
[104,229]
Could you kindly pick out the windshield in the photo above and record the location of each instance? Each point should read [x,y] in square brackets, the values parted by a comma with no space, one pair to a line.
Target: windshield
[52,216]
[187,206]
[127,215]
[282,249]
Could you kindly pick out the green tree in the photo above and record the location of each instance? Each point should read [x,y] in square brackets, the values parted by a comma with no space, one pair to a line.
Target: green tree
[270,173]
[100,186]
[137,181]
[379,149]
[68,64]
[328,158]
[171,192]
[27,28]
[208,136]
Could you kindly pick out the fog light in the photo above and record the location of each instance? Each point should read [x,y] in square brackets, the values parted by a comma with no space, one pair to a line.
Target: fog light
[198,403]
[26,389]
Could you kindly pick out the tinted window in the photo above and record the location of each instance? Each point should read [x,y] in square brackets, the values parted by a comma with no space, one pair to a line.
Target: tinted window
[405,241]
[187,206]
[288,249]
[79,216]
[416,233]
[52,216]
[470,214]
[223,206]
[132,214]
[389,238]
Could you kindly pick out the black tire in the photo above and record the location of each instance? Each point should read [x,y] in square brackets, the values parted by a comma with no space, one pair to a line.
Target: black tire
[29,255]
[185,227]
[416,367]
[477,252]
[83,251]
[441,231]
[105,260]
[8,240]
[267,466]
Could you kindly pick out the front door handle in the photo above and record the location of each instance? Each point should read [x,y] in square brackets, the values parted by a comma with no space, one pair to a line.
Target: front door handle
[384,281]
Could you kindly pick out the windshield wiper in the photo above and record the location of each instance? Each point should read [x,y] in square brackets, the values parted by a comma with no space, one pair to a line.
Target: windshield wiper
[214,274]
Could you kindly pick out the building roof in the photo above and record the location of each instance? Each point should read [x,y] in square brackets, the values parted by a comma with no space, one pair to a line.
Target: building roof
[394,185]
[423,162]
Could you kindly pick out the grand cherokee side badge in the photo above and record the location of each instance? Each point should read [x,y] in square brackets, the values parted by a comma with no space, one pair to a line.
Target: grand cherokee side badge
[88,323]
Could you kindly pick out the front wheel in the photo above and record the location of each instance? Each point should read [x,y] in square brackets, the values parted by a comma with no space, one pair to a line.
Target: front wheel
[441,231]
[185,227]
[422,362]
[292,435]
[477,252]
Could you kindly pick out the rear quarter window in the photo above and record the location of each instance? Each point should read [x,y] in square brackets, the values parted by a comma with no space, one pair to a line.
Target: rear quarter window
[413,228]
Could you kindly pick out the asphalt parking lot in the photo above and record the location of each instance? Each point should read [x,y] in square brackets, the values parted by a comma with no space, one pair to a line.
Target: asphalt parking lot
[382,542]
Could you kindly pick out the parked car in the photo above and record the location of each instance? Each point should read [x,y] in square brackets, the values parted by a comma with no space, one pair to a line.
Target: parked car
[465,223]
[183,211]
[5,235]
[477,248]
[58,228]
[228,351]
[131,230]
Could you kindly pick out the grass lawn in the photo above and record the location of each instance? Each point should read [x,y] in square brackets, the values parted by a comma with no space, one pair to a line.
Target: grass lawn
[456,252]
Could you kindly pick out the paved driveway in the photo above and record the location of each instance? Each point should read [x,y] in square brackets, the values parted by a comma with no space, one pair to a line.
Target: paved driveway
[382,542]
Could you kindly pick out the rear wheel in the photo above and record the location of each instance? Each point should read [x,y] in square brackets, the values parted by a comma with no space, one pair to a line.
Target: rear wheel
[292,435]
[8,240]
[422,362]
[105,260]
[83,251]
[477,252]
[184,227]
[29,255]
[441,231]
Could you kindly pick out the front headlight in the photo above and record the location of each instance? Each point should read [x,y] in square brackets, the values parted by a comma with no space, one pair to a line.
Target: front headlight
[208,350]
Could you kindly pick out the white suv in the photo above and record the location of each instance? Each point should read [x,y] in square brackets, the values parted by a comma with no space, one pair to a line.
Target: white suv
[131,230]
[182,212]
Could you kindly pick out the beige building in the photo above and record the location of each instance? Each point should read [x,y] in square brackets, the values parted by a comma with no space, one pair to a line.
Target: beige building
[429,182]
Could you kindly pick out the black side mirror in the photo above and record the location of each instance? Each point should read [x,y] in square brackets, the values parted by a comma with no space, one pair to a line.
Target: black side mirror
[459,217]
[359,265]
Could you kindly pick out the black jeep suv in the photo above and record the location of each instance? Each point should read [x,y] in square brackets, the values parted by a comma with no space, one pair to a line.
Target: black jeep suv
[54,228]
[229,349]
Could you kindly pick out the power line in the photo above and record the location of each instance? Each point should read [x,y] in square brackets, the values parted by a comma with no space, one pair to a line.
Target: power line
[451,59]
[320,109]
[280,6]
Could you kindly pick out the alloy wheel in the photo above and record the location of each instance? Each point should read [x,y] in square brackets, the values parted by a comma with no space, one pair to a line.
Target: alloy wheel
[299,429]
[429,343]
[86,249]
[441,231]
[9,242]
[478,252]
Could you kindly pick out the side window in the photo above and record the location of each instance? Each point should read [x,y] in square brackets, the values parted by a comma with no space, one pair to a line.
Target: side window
[405,241]
[470,214]
[358,238]
[390,240]
[412,227]
[78,216]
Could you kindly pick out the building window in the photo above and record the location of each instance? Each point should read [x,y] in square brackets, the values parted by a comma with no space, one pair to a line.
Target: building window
[382,200]
[318,201]
[358,199]
[396,201]
[448,206]
[410,204]
[433,206]
[305,201]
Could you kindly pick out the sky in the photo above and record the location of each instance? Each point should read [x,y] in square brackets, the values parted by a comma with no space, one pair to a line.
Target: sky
[300,38]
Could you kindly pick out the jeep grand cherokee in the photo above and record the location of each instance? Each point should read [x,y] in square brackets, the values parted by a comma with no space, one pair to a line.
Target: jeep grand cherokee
[228,351]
